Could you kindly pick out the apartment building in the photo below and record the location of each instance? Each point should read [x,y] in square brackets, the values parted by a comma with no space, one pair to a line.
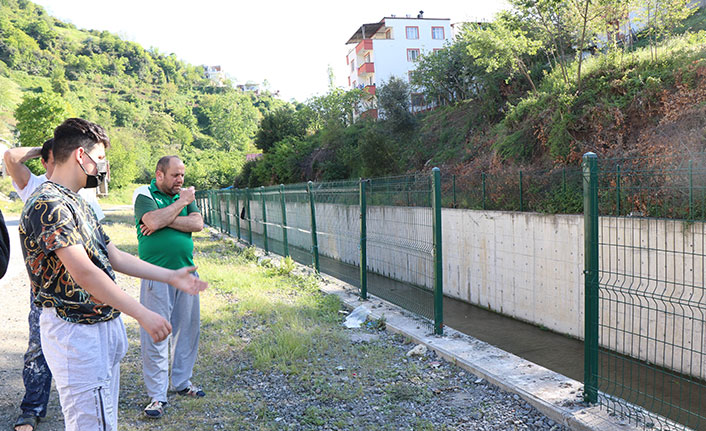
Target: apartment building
[391,47]
[216,74]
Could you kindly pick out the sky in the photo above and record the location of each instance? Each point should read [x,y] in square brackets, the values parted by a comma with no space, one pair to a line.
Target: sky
[287,43]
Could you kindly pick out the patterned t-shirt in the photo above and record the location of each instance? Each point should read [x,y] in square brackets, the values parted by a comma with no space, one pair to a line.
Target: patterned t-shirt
[54,217]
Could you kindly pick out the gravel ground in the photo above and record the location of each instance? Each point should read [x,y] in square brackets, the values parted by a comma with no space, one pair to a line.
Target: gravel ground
[363,382]
[409,394]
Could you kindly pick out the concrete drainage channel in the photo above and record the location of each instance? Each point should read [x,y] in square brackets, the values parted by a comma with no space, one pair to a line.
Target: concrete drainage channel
[556,396]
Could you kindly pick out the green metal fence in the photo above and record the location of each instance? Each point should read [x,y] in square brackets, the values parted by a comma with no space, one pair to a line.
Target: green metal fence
[391,225]
[645,268]
[514,189]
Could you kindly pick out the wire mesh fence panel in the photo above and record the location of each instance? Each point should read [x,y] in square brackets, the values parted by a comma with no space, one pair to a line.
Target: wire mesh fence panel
[246,222]
[650,318]
[273,210]
[539,190]
[298,214]
[338,229]
[400,242]
[320,225]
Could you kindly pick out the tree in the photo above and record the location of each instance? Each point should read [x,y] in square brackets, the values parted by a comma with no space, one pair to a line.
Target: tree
[280,124]
[336,108]
[123,157]
[449,75]
[231,118]
[503,44]
[662,17]
[393,101]
[550,21]
[37,116]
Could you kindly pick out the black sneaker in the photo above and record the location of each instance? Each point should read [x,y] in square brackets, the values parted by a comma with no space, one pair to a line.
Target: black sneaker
[155,409]
[192,391]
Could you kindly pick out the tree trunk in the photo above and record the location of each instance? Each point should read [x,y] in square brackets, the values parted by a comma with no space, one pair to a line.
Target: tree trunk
[581,46]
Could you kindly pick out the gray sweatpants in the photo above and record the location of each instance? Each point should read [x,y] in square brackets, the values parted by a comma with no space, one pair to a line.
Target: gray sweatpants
[85,362]
[183,312]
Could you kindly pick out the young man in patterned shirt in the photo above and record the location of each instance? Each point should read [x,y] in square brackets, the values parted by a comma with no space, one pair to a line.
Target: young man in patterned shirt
[70,261]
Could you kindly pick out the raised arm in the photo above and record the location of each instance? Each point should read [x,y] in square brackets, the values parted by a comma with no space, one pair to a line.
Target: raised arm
[15,159]
[181,279]
[102,287]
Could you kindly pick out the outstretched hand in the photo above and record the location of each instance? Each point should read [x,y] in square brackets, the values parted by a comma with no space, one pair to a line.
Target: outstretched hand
[183,280]
[156,326]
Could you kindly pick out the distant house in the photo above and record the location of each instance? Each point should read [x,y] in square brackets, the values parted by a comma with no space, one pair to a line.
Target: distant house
[390,48]
[215,74]
[249,87]
[252,157]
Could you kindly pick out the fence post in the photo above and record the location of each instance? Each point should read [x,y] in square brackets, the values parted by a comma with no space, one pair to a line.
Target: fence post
[563,180]
[209,199]
[247,213]
[228,194]
[237,212]
[363,241]
[521,203]
[264,218]
[482,178]
[691,191]
[617,189]
[217,211]
[590,205]
[438,267]
[314,239]
[284,220]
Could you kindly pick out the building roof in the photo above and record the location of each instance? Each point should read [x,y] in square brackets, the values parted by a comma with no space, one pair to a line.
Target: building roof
[367,30]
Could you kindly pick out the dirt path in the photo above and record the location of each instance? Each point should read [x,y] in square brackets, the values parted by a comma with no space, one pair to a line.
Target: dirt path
[14,331]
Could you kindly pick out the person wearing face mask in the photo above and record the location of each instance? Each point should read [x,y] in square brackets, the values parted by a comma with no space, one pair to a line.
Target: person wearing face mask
[36,375]
[165,217]
[71,262]
[25,182]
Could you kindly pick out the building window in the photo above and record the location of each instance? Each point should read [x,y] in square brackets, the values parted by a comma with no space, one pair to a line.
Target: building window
[436,50]
[412,54]
[352,65]
[388,33]
[366,59]
[349,81]
[412,32]
[355,84]
[437,33]
[417,99]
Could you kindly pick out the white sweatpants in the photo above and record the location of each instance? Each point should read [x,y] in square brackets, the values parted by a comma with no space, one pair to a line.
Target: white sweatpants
[85,363]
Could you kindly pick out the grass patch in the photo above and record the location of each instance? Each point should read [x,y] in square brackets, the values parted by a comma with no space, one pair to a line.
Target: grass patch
[121,196]
[274,356]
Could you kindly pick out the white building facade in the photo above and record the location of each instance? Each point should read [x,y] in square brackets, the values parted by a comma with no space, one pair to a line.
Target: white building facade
[388,48]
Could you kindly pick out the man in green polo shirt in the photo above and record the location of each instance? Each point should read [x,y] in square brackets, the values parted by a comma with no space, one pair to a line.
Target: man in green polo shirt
[165,217]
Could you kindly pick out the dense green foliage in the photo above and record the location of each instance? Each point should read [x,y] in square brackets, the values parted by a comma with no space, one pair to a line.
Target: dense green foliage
[152,104]
[543,83]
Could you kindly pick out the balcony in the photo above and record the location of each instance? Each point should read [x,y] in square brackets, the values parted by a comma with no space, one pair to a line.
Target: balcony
[364,45]
[366,69]
[370,114]
[370,89]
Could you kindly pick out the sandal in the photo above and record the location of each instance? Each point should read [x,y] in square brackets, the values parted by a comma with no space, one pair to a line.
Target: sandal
[155,409]
[26,419]
[192,391]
